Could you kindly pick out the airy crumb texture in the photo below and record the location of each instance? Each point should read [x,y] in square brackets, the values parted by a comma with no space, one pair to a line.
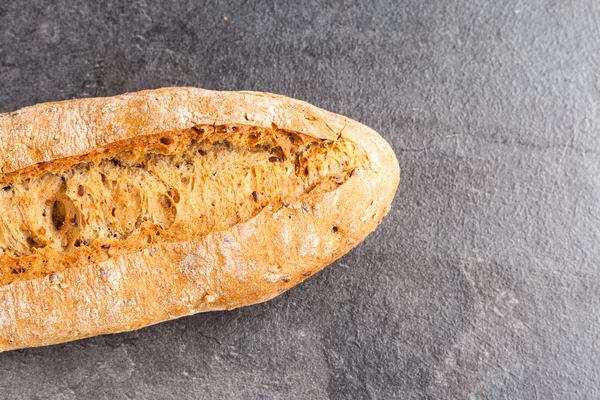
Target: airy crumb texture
[125,198]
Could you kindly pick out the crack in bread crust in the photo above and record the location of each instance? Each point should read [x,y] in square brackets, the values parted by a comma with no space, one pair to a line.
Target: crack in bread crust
[124,197]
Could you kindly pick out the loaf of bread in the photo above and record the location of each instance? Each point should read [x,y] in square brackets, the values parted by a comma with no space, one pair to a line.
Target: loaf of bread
[118,213]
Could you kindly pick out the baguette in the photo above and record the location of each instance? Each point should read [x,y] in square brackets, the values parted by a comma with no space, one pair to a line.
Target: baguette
[121,212]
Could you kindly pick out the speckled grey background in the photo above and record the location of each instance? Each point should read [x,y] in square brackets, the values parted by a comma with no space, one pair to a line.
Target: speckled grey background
[482,283]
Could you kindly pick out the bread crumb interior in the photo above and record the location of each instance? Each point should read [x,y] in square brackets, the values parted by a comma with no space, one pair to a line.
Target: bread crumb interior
[128,196]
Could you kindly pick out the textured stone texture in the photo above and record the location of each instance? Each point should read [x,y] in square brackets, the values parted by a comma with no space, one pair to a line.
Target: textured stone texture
[483,281]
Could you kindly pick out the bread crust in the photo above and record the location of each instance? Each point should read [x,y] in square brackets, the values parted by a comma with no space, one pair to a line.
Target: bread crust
[222,270]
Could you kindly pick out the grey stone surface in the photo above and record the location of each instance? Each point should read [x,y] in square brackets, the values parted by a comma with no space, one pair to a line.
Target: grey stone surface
[482,283]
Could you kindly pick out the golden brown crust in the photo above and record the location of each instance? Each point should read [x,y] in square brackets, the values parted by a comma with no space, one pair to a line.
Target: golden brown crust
[50,131]
[222,270]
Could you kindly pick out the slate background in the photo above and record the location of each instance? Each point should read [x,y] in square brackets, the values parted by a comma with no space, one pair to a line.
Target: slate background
[482,282]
